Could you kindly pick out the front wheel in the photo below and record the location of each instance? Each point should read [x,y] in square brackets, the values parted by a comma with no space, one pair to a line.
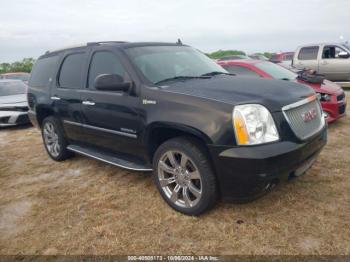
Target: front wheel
[184,177]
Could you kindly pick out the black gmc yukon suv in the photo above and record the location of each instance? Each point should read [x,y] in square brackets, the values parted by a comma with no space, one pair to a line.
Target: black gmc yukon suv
[164,107]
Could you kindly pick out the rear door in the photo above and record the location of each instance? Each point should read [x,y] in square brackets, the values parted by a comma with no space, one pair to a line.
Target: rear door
[332,66]
[66,95]
[111,118]
[307,58]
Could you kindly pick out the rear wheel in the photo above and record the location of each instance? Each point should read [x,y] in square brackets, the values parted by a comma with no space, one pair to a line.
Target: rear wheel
[184,177]
[54,140]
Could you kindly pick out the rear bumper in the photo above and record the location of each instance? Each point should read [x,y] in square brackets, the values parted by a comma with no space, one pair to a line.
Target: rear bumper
[246,172]
[12,118]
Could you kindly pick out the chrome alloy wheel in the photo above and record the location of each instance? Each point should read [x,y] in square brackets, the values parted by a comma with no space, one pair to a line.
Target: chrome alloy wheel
[51,139]
[180,179]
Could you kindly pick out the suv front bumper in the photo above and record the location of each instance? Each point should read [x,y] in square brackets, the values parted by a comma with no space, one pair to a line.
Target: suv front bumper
[244,173]
[12,118]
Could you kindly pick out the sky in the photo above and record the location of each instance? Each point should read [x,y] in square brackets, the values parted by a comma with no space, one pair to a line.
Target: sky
[30,28]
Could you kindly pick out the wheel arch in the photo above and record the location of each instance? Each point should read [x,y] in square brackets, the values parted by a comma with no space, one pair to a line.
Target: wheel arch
[42,112]
[158,132]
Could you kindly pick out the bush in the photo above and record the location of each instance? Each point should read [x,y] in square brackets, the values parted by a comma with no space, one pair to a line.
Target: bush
[20,66]
[221,53]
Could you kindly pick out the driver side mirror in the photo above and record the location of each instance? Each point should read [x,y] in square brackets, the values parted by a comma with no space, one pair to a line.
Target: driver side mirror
[111,82]
[343,54]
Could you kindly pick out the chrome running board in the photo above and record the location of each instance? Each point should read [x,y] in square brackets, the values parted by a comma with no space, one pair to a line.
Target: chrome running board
[120,161]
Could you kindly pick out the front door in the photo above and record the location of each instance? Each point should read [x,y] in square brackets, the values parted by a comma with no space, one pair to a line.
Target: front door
[332,66]
[111,118]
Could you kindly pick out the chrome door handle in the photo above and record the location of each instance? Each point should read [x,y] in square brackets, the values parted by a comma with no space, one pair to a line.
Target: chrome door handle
[55,98]
[88,103]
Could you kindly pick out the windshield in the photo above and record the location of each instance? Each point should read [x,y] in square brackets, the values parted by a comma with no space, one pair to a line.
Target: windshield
[347,46]
[12,88]
[276,71]
[262,57]
[158,63]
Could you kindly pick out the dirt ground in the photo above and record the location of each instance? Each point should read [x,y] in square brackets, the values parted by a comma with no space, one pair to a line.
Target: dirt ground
[82,206]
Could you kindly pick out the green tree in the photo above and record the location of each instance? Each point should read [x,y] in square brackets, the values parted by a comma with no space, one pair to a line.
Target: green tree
[221,53]
[268,54]
[19,66]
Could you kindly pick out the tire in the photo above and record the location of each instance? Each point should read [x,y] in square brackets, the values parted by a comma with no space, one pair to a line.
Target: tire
[184,177]
[54,141]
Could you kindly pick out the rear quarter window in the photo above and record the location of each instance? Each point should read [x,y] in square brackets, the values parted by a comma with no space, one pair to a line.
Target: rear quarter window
[308,53]
[288,57]
[43,71]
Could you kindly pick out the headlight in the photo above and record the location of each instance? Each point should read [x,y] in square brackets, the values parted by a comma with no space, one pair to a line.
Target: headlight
[253,124]
[324,97]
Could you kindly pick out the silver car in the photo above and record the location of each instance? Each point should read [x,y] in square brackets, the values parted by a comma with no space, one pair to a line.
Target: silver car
[329,59]
[13,103]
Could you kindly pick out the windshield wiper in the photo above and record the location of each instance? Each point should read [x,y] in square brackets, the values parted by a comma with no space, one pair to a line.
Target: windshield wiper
[180,78]
[217,73]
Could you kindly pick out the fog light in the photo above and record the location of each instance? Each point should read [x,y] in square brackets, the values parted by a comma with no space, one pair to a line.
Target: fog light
[325,97]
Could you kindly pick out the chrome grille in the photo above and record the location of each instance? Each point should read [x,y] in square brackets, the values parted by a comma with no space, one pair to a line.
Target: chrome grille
[294,114]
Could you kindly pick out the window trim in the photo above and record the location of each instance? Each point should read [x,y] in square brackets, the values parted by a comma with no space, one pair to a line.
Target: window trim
[313,46]
[84,52]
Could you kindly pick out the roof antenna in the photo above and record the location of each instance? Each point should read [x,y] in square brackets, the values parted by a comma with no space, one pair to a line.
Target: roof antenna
[179,42]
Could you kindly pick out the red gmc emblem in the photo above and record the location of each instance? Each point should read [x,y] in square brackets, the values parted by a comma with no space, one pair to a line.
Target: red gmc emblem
[309,115]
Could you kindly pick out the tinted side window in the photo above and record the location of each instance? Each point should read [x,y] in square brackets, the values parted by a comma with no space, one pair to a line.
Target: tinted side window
[42,71]
[104,62]
[71,70]
[240,70]
[308,53]
[288,57]
[332,52]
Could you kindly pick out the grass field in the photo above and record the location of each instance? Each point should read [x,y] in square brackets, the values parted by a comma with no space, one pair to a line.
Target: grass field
[82,206]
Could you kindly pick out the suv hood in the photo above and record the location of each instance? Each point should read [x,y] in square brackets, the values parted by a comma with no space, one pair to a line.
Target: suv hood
[13,101]
[273,94]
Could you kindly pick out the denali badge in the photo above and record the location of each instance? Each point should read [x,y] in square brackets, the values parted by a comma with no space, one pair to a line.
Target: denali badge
[309,115]
[147,102]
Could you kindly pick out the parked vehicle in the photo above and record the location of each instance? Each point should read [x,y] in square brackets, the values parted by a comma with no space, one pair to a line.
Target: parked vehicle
[330,59]
[169,108]
[333,98]
[16,76]
[284,59]
[258,57]
[13,103]
[233,57]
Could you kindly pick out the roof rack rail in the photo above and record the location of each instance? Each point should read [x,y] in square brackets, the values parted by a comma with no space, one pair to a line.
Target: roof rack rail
[87,44]
[105,42]
[64,48]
